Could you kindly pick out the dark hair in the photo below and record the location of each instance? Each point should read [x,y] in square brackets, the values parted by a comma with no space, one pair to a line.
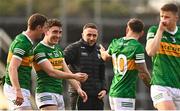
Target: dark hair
[53,22]
[90,25]
[136,25]
[170,7]
[35,20]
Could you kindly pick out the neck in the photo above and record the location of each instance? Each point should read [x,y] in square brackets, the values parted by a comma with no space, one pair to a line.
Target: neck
[172,28]
[30,34]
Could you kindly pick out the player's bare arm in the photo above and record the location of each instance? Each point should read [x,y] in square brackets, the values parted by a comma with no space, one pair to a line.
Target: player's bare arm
[82,77]
[76,84]
[153,45]
[48,68]
[13,73]
[144,73]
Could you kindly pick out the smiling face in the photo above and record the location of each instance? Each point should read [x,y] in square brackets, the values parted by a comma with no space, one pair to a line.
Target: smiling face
[90,35]
[53,35]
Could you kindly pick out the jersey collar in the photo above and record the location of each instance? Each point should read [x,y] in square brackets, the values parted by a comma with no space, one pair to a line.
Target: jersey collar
[27,37]
[52,47]
[125,38]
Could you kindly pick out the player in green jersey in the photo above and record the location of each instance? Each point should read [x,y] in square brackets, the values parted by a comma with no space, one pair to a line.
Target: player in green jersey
[51,69]
[128,60]
[19,64]
[163,45]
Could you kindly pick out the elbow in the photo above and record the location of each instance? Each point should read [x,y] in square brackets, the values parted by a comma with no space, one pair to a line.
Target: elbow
[51,73]
[150,52]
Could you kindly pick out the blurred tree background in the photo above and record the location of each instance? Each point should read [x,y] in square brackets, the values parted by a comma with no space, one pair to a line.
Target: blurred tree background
[111,17]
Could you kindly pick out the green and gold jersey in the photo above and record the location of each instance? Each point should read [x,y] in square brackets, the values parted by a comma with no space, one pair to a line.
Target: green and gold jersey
[46,83]
[126,53]
[21,48]
[166,62]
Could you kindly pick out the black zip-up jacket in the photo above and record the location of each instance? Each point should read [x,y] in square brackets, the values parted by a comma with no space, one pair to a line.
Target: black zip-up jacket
[84,58]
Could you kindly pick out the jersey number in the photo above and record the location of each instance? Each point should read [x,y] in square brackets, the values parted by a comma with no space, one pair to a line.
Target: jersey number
[119,64]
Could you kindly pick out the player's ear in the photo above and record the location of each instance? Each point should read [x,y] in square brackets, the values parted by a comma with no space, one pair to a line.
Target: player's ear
[142,33]
[177,18]
[38,27]
[82,34]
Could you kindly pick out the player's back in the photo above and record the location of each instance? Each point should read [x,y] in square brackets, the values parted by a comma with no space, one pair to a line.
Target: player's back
[125,54]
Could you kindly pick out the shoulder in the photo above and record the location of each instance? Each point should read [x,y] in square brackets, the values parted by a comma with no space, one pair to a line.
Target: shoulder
[39,48]
[151,32]
[139,46]
[153,28]
[114,41]
[20,42]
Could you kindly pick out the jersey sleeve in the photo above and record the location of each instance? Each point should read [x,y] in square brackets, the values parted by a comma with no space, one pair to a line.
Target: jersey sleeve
[39,56]
[111,46]
[139,56]
[19,50]
[151,32]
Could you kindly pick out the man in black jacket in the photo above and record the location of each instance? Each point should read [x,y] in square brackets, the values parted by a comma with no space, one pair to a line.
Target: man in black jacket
[84,56]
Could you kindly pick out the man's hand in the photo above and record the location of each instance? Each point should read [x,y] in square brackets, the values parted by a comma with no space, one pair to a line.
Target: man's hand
[102,49]
[163,25]
[104,54]
[82,77]
[19,98]
[101,94]
[82,94]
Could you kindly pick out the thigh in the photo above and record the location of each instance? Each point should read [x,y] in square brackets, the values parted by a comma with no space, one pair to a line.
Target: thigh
[45,99]
[24,108]
[165,105]
[50,107]
[122,103]
[162,97]
[11,96]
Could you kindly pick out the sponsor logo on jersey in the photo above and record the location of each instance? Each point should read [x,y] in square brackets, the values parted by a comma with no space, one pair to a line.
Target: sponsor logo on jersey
[169,49]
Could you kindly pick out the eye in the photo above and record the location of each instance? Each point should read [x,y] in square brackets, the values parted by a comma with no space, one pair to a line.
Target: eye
[94,35]
[89,35]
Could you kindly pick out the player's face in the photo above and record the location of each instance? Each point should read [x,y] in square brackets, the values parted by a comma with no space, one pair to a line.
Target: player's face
[54,34]
[169,18]
[90,36]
